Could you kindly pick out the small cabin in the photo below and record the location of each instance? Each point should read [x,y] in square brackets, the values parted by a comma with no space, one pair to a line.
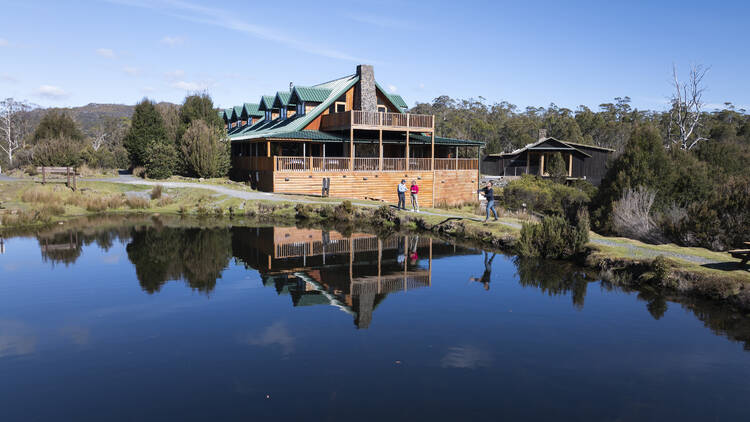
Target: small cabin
[582,162]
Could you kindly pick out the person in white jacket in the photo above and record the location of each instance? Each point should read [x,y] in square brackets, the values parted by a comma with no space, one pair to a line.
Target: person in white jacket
[402,195]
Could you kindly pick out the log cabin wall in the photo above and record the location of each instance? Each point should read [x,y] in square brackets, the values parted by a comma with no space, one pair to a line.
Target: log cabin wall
[357,185]
[455,187]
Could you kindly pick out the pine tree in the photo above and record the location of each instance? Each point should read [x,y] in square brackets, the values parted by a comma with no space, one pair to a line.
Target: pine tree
[147,128]
[556,169]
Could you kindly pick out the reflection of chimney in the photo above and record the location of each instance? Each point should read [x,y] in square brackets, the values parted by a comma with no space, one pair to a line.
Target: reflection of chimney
[365,98]
[542,134]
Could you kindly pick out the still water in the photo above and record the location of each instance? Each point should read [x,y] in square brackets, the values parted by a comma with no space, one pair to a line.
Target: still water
[150,322]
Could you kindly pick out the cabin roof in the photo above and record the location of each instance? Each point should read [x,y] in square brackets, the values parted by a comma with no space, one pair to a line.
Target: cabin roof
[544,144]
[266,103]
[324,95]
[316,135]
[281,99]
[309,94]
[251,110]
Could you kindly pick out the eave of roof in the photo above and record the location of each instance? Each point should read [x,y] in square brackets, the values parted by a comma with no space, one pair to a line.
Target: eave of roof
[251,110]
[308,94]
[266,103]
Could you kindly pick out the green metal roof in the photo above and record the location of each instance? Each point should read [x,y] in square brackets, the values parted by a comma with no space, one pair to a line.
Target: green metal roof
[251,110]
[236,112]
[309,94]
[295,123]
[266,103]
[281,99]
[397,100]
[325,93]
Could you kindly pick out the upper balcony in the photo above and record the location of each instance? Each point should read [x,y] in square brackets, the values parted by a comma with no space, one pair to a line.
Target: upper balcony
[359,119]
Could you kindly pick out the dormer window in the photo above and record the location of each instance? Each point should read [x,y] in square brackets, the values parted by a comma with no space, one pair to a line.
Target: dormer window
[340,107]
[301,108]
[283,113]
[268,115]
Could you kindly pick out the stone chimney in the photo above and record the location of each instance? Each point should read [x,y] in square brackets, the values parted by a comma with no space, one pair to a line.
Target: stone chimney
[542,134]
[365,98]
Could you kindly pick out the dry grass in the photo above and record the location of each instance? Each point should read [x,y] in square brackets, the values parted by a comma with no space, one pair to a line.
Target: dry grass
[102,203]
[42,195]
[165,200]
[137,202]
[156,192]
[139,171]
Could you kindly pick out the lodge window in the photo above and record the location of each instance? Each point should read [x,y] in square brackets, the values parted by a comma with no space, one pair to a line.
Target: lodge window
[283,113]
[301,108]
[382,109]
[268,116]
[340,107]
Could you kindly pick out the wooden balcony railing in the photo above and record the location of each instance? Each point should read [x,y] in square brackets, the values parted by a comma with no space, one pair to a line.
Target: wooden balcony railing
[253,163]
[374,119]
[328,164]
[456,164]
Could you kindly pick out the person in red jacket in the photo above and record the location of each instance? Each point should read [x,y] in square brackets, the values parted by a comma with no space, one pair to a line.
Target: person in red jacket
[414,193]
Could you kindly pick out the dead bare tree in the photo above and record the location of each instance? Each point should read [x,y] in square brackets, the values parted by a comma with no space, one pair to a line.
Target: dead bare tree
[687,108]
[13,126]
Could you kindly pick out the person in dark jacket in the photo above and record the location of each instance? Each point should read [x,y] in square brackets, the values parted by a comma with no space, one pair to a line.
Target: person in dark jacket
[489,194]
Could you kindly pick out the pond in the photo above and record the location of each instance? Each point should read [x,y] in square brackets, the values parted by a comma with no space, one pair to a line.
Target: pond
[159,320]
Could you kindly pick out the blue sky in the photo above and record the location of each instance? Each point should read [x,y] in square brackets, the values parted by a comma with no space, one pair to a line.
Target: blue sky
[71,53]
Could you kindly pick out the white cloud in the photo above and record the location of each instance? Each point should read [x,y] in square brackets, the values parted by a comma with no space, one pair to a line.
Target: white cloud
[228,20]
[4,42]
[421,86]
[190,86]
[132,71]
[392,88]
[106,52]
[466,357]
[275,334]
[172,41]
[51,91]
[148,89]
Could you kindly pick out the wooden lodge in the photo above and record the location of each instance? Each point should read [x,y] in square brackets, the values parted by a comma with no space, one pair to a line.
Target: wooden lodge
[583,162]
[355,135]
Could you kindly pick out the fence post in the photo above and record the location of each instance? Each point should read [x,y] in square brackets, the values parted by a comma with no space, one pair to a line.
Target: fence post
[67,175]
[44,175]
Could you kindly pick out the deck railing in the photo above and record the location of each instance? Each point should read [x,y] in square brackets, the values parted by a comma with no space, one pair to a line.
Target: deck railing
[329,164]
[456,164]
[354,118]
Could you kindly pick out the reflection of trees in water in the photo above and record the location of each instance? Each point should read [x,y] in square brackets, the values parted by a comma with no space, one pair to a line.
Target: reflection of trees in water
[198,256]
[554,277]
[65,247]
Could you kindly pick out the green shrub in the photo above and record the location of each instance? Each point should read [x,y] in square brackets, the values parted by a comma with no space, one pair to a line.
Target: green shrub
[160,160]
[205,150]
[553,238]
[544,196]
[57,152]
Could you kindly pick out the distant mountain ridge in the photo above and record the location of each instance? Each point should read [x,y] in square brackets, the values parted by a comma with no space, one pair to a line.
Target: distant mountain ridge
[88,116]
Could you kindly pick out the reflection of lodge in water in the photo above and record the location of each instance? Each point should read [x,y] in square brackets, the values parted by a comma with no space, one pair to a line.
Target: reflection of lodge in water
[324,267]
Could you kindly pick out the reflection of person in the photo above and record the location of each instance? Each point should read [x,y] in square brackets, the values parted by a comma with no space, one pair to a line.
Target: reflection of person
[413,257]
[489,194]
[402,195]
[485,280]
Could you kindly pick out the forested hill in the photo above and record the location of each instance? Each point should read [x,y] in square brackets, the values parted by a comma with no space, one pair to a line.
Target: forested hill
[505,127]
[89,116]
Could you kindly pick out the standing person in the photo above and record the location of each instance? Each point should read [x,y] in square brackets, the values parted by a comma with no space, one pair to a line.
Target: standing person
[402,195]
[414,193]
[489,194]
